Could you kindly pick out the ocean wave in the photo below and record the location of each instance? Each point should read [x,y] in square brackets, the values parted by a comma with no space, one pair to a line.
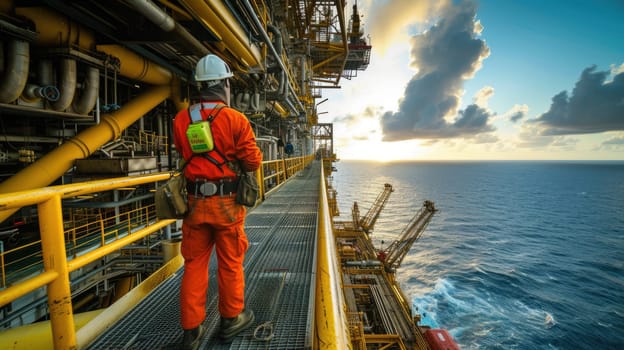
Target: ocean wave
[522,255]
[492,316]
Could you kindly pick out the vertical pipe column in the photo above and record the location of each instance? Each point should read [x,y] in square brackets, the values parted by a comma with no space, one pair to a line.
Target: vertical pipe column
[55,259]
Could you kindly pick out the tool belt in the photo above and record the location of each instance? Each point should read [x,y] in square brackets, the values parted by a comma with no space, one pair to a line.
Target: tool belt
[211,188]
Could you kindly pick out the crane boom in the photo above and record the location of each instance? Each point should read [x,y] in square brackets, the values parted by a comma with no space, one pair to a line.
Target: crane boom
[368,221]
[397,250]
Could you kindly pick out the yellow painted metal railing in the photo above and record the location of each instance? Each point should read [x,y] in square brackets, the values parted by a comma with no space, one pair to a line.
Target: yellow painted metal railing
[53,249]
[91,231]
[275,172]
[331,321]
[151,142]
[53,253]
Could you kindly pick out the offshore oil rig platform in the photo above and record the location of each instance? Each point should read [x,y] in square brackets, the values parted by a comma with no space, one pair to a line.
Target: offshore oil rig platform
[88,90]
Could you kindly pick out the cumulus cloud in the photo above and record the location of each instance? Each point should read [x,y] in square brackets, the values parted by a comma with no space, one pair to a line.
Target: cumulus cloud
[392,17]
[516,116]
[370,113]
[615,70]
[595,105]
[531,136]
[516,113]
[444,56]
[349,119]
[616,142]
[486,138]
[483,95]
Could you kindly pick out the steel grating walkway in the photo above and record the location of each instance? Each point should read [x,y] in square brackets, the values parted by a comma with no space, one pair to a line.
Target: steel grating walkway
[280,273]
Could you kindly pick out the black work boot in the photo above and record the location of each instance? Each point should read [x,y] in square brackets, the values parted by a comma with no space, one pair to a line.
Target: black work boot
[192,338]
[230,327]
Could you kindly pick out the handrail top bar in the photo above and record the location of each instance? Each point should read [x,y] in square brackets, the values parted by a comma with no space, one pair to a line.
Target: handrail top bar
[35,196]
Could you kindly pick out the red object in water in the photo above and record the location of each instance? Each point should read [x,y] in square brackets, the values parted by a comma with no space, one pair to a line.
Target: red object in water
[440,339]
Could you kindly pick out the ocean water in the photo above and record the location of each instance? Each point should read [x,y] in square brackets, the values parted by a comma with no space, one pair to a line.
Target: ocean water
[521,255]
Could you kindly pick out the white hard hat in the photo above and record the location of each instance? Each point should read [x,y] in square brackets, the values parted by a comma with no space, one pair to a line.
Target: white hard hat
[211,67]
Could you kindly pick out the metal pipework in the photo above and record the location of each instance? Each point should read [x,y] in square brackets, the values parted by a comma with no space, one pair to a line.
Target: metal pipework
[54,164]
[67,83]
[55,30]
[278,58]
[15,75]
[153,13]
[277,35]
[136,67]
[219,20]
[86,102]
[168,24]
[35,93]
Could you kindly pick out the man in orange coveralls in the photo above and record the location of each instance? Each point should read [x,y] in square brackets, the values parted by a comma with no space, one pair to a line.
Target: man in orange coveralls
[215,219]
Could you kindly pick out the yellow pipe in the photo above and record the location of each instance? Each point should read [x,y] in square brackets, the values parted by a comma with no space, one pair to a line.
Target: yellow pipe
[222,12]
[54,259]
[219,20]
[280,109]
[176,93]
[38,335]
[55,163]
[55,30]
[136,67]
[332,330]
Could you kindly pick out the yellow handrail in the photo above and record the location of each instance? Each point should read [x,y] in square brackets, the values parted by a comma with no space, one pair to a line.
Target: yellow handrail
[53,237]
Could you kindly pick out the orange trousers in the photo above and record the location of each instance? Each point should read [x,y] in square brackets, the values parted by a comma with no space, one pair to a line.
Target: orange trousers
[214,222]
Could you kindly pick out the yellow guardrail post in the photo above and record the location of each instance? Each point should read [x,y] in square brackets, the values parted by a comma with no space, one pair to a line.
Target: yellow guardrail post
[284,167]
[55,259]
[260,178]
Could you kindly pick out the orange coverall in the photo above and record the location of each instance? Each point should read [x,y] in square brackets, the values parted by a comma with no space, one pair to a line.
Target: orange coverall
[215,221]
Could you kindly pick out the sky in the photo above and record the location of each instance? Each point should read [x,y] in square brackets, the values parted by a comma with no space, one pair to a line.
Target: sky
[484,80]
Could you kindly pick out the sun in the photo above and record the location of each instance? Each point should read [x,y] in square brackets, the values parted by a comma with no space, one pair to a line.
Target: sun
[377,150]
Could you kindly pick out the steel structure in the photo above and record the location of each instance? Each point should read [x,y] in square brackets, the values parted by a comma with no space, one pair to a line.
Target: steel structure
[398,249]
[367,222]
